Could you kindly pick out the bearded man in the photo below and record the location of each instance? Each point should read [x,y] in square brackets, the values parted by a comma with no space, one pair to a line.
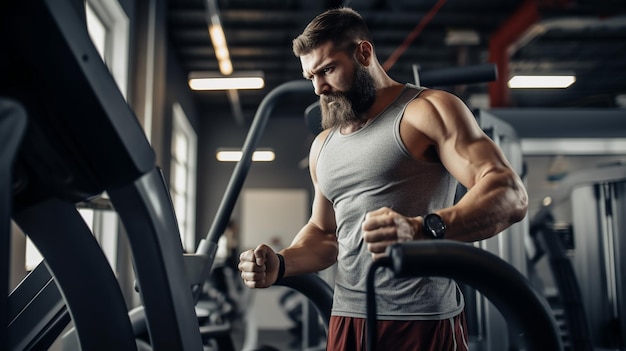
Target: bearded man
[385,170]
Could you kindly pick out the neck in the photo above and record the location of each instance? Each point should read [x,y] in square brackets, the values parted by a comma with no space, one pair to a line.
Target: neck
[353,127]
[384,97]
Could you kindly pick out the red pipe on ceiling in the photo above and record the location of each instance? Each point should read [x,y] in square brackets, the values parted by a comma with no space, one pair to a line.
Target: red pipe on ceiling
[524,17]
[414,33]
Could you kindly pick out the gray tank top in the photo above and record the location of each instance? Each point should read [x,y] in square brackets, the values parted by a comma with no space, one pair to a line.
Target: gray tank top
[369,169]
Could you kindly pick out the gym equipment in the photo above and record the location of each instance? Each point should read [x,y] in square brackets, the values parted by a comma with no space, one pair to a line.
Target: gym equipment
[524,308]
[12,126]
[575,329]
[588,272]
[83,139]
[487,328]
[322,299]
[462,75]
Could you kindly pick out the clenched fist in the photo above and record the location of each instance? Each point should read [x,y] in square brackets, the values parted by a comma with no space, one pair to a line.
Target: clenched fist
[259,267]
[385,227]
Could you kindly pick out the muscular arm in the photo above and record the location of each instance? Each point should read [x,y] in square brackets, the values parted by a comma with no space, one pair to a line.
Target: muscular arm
[496,196]
[314,248]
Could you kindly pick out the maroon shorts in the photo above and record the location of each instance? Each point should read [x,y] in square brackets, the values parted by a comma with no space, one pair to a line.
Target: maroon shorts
[349,334]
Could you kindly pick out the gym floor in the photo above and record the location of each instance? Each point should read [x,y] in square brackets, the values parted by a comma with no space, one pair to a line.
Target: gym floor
[268,339]
[278,339]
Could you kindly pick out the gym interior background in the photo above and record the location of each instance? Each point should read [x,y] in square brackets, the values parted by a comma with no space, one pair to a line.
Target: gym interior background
[152,47]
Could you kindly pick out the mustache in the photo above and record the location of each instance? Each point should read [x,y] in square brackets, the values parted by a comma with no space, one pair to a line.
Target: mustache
[330,97]
[336,110]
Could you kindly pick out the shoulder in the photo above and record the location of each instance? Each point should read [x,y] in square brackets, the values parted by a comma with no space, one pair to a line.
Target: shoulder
[314,152]
[438,114]
[438,103]
[319,140]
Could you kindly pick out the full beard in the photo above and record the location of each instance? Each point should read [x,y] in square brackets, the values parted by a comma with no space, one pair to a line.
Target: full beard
[344,109]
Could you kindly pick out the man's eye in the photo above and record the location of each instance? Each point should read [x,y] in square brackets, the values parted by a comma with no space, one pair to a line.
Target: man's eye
[327,70]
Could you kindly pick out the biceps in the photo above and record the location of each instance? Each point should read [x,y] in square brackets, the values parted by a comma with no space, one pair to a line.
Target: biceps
[319,232]
[323,214]
[470,159]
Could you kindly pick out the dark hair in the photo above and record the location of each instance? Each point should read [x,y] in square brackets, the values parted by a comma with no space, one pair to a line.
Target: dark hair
[343,26]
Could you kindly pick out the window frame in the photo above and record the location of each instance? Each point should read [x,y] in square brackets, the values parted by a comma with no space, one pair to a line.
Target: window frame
[186,217]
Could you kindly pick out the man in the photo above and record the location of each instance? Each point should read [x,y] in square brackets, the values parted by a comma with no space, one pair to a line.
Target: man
[390,156]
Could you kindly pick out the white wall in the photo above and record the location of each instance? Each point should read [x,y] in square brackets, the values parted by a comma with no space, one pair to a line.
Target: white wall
[273,217]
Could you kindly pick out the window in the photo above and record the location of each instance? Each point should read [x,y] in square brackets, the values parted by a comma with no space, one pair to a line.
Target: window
[183,175]
[97,31]
[108,28]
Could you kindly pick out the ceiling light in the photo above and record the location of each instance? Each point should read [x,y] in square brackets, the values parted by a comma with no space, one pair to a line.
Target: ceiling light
[221,49]
[541,81]
[216,32]
[462,37]
[235,155]
[215,81]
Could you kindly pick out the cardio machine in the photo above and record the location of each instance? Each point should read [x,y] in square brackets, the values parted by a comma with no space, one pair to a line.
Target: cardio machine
[75,137]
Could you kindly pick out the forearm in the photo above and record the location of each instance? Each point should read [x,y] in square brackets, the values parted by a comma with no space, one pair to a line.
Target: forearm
[311,251]
[497,201]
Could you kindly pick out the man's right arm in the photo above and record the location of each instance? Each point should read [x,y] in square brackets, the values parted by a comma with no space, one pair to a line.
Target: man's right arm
[313,249]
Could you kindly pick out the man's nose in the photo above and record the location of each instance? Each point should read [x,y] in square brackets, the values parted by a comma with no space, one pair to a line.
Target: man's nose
[320,86]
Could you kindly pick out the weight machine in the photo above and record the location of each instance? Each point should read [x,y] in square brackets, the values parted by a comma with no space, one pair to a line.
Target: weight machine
[585,256]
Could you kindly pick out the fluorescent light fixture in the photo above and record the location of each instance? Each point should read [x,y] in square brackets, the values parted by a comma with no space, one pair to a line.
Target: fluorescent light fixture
[215,81]
[573,146]
[462,37]
[525,82]
[235,155]
[226,83]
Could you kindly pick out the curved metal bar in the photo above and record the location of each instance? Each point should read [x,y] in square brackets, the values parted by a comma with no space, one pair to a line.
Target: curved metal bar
[370,302]
[315,289]
[82,273]
[208,246]
[524,308]
[567,284]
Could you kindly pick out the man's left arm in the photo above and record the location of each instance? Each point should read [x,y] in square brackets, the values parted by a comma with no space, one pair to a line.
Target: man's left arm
[496,196]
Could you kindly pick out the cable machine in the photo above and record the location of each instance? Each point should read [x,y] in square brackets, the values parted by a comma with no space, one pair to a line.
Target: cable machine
[585,256]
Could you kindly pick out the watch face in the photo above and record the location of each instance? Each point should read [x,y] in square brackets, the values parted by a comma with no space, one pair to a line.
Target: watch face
[434,226]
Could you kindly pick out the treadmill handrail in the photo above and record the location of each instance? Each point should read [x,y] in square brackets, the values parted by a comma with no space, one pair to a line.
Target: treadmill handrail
[510,292]
[314,288]
[208,246]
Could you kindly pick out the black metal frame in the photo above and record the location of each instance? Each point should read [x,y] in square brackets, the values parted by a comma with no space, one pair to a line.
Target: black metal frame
[527,311]
[12,126]
[83,139]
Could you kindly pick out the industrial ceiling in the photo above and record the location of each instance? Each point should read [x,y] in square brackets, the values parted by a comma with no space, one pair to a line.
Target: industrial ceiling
[583,37]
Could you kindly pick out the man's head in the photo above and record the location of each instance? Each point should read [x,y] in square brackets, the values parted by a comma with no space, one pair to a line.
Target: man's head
[335,49]
[340,109]
[344,27]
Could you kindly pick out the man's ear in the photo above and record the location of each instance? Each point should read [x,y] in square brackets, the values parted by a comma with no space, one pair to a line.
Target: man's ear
[364,53]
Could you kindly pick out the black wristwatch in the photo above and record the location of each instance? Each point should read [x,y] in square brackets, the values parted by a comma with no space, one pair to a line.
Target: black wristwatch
[434,227]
